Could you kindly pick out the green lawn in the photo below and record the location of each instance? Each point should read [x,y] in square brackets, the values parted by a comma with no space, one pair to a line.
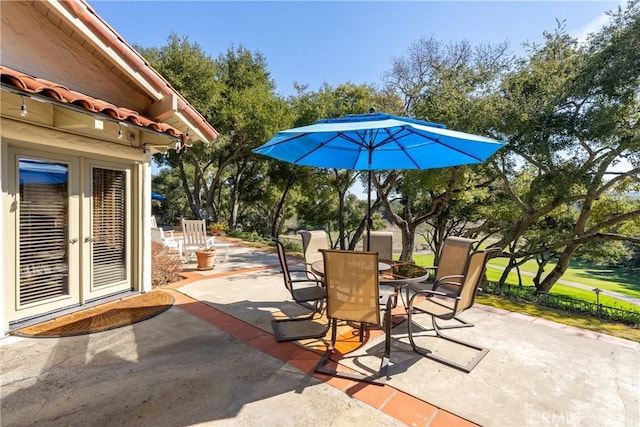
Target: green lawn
[615,280]
[606,278]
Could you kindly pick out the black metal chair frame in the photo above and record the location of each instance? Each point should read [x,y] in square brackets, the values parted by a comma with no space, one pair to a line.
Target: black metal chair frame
[310,297]
[459,305]
[444,279]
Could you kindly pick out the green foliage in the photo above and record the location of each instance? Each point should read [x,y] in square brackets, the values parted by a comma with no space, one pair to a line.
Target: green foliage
[605,252]
[188,68]
[235,93]
[568,304]
[453,84]
[567,126]
[568,111]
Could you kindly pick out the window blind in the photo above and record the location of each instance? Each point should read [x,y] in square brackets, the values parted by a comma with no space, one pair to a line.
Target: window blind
[109,227]
[43,233]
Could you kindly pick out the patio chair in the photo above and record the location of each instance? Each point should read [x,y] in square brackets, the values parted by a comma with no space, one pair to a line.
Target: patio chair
[446,300]
[353,295]
[312,242]
[154,224]
[194,235]
[452,263]
[382,243]
[309,293]
[157,235]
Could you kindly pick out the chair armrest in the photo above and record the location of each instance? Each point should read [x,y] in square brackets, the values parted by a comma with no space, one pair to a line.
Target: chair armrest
[317,282]
[434,293]
[431,292]
[444,280]
[388,298]
[317,278]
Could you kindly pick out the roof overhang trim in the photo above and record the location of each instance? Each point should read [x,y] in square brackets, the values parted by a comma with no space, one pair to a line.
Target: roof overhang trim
[130,62]
[161,141]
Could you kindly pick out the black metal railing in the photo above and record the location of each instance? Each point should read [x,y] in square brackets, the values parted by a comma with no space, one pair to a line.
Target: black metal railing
[571,305]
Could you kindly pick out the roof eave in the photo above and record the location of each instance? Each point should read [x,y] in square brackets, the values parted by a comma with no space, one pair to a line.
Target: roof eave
[82,17]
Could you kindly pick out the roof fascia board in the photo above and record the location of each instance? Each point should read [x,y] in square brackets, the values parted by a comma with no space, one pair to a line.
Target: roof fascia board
[85,119]
[88,23]
[194,129]
[99,38]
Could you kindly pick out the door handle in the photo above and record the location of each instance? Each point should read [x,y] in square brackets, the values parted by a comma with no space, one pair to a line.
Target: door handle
[88,239]
[74,240]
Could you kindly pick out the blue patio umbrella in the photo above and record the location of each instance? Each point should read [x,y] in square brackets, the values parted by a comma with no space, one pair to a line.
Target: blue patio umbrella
[378,141]
[157,196]
[37,172]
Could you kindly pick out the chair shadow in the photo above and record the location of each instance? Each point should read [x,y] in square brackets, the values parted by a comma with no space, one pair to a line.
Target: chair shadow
[363,356]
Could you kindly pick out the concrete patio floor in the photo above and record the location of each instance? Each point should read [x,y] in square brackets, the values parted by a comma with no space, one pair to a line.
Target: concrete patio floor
[212,360]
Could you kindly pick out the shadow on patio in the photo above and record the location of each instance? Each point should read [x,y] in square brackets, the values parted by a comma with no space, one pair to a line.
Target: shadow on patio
[176,369]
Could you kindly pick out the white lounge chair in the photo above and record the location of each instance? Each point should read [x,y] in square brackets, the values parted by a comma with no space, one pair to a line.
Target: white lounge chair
[194,232]
[154,224]
[194,236]
[157,235]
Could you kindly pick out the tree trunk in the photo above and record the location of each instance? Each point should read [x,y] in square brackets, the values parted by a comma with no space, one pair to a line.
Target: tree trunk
[558,270]
[408,241]
[275,223]
[235,198]
[235,207]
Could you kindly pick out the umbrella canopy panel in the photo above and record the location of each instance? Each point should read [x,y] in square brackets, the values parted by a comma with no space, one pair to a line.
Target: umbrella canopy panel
[378,142]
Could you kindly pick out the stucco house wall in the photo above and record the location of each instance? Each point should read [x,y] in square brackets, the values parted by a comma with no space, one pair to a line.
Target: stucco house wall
[77,98]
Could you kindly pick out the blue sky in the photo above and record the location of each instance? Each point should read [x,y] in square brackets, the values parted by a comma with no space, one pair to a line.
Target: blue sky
[312,42]
[341,41]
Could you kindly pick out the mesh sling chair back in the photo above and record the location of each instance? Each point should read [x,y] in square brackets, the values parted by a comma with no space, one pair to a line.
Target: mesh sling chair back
[446,300]
[312,242]
[309,293]
[352,282]
[452,262]
[382,243]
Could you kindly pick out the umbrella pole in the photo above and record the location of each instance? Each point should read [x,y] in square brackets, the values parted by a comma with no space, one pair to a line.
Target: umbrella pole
[369,220]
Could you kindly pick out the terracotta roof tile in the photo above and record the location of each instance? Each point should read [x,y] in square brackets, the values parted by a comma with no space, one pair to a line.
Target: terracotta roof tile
[62,94]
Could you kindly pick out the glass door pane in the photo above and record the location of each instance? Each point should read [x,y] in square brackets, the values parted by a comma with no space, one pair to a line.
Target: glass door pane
[43,230]
[109,228]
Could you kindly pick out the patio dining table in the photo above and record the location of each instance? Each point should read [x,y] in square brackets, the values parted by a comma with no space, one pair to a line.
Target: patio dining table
[396,274]
[391,273]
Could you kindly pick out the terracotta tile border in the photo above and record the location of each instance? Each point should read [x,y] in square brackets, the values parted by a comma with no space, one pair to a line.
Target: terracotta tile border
[395,403]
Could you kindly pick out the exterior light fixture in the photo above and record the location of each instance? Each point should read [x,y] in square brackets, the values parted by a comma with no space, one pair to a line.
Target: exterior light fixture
[120,134]
[23,108]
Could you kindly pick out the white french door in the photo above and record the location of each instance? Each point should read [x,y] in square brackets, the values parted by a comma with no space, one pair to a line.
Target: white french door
[73,233]
[107,230]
